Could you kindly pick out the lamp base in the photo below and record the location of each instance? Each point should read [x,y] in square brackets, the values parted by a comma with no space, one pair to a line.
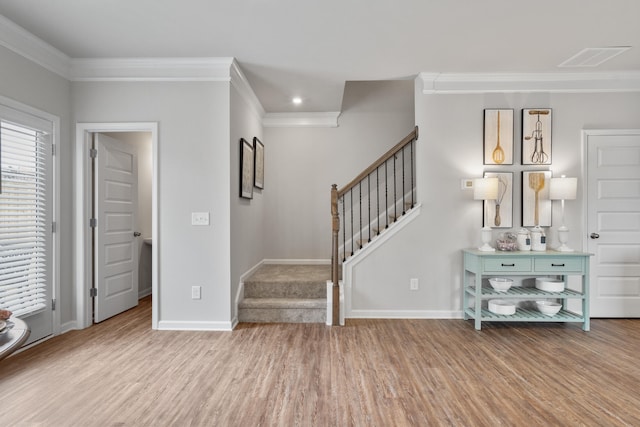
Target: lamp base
[563,237]
[486,248]
[486,238]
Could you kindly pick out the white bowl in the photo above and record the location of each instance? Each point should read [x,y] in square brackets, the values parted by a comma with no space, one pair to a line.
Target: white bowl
[500,306]
[501,284]
[548,308]
[549,285]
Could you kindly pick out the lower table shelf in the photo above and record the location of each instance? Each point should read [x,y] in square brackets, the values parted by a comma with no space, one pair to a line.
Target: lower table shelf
[526,315]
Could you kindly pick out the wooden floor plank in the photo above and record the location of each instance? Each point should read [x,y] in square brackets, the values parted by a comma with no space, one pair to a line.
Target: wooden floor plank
[368,373]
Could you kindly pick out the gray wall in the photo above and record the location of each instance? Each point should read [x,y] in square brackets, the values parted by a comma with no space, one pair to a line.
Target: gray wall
[305,162]
[450,148]
[193,176]
[247,216]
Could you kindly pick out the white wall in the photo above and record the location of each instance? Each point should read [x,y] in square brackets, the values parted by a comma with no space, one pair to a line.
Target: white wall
[247,215]
[450,148]
[193,176]
[303,163]
[28,83]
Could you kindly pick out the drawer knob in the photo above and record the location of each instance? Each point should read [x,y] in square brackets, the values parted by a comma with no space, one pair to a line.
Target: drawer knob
[557,265]
[508,265]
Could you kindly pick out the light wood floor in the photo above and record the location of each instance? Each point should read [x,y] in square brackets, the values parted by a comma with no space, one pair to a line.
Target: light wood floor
[369,373]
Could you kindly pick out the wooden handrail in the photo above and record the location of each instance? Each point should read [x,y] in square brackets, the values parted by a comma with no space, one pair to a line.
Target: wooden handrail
[335,217]
[386,156]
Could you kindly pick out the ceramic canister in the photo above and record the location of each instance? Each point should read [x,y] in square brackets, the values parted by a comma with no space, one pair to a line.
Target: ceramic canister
[538,239]
[524,240]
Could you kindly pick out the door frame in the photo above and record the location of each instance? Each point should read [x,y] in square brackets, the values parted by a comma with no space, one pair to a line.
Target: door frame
[82,212]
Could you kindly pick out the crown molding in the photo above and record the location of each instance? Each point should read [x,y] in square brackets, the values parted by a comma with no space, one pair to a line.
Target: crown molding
[327,119]
[151,69]
[461,83]
[22,42]
[240,82]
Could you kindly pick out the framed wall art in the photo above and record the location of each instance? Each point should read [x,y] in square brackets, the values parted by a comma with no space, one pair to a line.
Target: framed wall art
[258,163]
[536,136]
[536,205]
[246,169]
[498,137]
[499,213]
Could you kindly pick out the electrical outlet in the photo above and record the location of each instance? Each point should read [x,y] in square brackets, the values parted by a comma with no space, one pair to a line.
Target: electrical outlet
[413,284]
[195,292]
[199,218]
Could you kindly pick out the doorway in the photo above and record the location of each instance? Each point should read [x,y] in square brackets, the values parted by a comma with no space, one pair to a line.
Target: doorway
[612,207]
[147,243]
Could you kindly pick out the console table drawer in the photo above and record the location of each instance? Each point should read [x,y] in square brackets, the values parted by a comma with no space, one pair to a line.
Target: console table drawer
[561,265]
[506,265]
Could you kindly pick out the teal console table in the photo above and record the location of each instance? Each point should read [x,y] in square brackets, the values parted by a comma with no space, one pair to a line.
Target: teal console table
[479,266]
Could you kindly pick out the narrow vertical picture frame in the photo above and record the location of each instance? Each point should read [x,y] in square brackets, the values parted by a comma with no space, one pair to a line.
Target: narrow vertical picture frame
[499,213]
[258,163]
[536,205]
[246,169]
[536,136]
[498,136]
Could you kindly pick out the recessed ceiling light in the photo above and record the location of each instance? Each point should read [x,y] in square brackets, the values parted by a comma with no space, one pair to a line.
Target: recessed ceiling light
[297,100]
[594,56]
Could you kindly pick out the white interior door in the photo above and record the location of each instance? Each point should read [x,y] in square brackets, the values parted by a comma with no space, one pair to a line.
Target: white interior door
[613,222]
[116,247]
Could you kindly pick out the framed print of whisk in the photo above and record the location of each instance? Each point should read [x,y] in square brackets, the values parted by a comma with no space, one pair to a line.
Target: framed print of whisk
[536,136]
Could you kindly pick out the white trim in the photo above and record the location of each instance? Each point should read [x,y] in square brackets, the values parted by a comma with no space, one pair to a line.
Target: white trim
[240,82]
[240,291]
[327,119]
[68,326]
[22,42]
[406,314]
[82,209]
[349,265]
[151,69]
[297,261]
[462,83]
[178,325]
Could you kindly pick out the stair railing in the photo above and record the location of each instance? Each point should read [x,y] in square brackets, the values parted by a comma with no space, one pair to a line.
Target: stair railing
[389,195]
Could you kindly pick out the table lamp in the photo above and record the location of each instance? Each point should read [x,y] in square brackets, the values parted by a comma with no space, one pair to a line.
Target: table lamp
[562,189]
[485,189]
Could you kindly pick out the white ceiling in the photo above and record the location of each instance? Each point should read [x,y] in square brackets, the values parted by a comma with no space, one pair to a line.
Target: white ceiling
[310,48]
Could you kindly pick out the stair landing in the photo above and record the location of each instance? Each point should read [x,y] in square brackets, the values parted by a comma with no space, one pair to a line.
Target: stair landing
[285,293]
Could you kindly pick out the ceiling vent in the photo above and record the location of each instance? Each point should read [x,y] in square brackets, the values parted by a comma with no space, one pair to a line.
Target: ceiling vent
[593,56]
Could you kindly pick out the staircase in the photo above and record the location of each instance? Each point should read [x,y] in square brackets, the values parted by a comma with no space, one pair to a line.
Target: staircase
[283,293]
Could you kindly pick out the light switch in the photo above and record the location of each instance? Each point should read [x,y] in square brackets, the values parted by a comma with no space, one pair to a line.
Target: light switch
[199,218]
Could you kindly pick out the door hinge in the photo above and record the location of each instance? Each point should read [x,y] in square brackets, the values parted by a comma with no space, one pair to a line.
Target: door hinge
[93,223]
[53,149]
[53,304]
[53,227]
[93,153]
[93,292]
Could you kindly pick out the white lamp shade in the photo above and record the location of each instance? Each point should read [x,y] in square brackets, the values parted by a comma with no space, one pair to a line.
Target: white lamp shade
[563,188]
[485,189]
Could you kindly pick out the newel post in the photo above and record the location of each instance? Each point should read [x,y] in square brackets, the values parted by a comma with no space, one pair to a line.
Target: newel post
[335,228]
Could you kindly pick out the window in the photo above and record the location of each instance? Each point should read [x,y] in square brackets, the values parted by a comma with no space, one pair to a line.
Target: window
[25,212]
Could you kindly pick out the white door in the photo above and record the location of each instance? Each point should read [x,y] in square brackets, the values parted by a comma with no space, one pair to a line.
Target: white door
[613,222]
[116,246]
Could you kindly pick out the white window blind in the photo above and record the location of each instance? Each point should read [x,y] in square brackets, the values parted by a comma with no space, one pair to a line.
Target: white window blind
[24,218]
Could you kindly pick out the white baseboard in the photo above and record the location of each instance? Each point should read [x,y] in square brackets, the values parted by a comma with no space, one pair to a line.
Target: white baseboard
[144,293]
[297,261]
[68,326]
[178,325]
[405,314]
